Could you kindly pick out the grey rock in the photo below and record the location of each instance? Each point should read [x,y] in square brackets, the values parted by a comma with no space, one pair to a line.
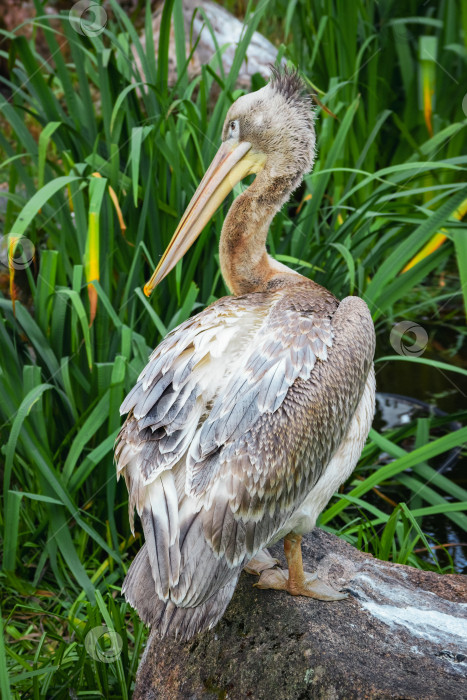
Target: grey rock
[401,633]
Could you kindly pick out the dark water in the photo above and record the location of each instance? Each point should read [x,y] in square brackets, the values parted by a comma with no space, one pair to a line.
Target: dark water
[448,392]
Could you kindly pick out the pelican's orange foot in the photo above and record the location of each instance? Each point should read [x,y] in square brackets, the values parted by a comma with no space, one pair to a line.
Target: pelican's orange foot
[309,585]
[296,581]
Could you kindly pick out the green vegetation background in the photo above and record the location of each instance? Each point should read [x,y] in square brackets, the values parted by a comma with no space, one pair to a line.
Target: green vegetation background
[390,174]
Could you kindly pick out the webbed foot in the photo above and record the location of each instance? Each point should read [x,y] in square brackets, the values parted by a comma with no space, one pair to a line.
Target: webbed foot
[296,581]
[309,585]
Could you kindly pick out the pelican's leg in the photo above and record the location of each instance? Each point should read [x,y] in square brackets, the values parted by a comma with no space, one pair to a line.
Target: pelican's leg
[296,581]
[260,562]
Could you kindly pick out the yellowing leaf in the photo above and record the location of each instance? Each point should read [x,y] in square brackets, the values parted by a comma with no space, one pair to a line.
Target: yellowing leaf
[437,240]
[91,256]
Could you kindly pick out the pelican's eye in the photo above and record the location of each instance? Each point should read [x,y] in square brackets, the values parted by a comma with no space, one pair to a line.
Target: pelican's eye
[233,129]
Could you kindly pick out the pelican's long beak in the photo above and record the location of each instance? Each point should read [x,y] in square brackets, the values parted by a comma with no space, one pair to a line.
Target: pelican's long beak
[231,164]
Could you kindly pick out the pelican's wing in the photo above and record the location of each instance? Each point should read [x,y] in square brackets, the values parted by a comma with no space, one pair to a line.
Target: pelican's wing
[175,389]
[274,429]
[165,408]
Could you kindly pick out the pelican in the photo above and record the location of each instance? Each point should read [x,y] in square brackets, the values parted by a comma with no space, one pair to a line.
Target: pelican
[249,415]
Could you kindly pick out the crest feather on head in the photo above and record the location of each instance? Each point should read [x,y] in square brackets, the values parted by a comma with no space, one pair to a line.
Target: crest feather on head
[288,83]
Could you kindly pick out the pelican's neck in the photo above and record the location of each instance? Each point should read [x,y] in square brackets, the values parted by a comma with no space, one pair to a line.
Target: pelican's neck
[245,263]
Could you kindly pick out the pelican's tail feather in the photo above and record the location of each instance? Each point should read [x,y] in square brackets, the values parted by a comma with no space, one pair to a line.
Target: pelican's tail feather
[182,623]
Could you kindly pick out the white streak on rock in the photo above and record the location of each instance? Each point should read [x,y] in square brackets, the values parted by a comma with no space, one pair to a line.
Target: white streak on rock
[435,626]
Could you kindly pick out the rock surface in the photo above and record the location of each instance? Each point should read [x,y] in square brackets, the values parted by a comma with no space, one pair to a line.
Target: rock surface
[401,633]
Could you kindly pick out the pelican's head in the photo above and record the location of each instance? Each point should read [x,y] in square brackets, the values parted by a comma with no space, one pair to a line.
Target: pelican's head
[269,131]
[277,123]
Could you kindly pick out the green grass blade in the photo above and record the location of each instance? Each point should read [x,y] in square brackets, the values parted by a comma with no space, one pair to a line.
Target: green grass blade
[4,677]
